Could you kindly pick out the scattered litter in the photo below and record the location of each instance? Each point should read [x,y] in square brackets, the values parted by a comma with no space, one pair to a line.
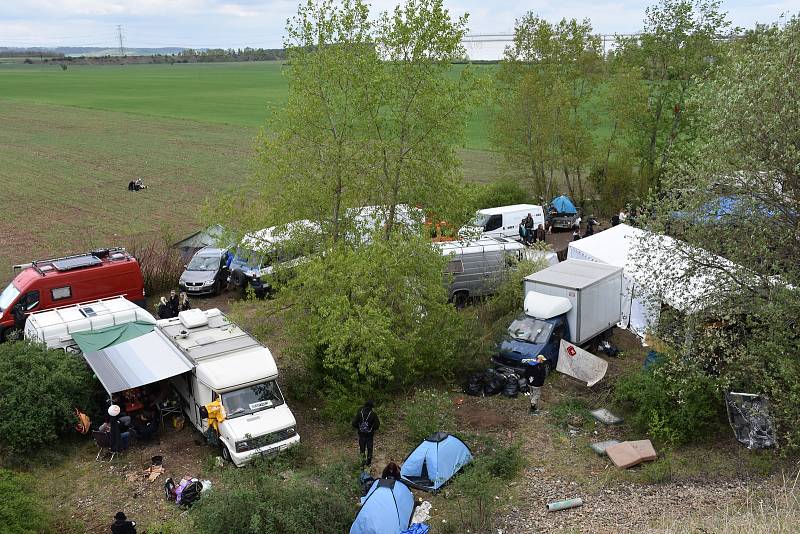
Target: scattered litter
[566,504]
[606,417]
[219,461]
[749,417]
[578,363]
[653,358]
[630,453]
[153,472]
[600,447]
[608,349]
[422,513]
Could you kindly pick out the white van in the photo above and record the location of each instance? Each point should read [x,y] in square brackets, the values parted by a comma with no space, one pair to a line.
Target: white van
[231,365]
[55,327]
[502,222]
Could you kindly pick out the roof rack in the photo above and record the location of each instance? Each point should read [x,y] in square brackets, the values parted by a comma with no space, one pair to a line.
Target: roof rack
[68,263]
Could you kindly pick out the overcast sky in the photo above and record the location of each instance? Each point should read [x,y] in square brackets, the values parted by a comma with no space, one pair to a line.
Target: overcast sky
[259,23]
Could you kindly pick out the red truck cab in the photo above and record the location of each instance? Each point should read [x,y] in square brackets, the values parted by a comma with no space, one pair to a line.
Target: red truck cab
[57,282]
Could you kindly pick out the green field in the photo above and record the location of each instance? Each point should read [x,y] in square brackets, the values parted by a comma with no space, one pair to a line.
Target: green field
[70,141]
[222,93]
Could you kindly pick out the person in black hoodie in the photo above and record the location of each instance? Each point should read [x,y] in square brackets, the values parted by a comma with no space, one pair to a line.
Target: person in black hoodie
[366,422]
[121,525]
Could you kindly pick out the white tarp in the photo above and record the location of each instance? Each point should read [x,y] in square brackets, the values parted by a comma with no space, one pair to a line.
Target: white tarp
[580,364]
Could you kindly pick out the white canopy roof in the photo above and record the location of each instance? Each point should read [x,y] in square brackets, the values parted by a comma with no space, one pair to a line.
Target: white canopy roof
[656,263]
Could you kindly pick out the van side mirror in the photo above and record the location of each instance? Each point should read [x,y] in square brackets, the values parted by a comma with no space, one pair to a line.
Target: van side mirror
[203,412]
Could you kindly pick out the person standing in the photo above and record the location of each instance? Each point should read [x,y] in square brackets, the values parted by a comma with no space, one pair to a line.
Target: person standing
[366,422]
[523,232]
[576,232]
[535,373]
[174,304]
[540,234]
[529,229]
[590,224]
[121,525]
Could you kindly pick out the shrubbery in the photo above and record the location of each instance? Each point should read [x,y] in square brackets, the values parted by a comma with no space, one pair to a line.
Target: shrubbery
[20,510]
[258,500]
[161,264]
[39,390]
[427,413]
[673,402]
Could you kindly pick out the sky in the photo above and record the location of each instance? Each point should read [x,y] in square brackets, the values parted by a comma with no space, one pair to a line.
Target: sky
[260,23]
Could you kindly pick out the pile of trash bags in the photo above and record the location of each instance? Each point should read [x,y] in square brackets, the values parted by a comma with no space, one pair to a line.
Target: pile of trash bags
[496,381]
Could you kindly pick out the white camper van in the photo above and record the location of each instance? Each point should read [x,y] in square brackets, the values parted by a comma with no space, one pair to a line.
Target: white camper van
[55,327]
[231,365]
[502,222]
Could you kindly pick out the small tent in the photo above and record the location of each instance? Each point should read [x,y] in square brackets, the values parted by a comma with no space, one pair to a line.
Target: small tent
[564,205]
[435,461]
[385,509]
[208,237]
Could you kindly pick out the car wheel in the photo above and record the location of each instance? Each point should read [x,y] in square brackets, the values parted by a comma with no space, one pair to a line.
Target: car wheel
[460,299]
[226,454]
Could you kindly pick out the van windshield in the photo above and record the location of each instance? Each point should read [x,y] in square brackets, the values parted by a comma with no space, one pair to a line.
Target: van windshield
[530,330]
[203,263]
[248,257]
[8,296]
[480,219]
[252,399]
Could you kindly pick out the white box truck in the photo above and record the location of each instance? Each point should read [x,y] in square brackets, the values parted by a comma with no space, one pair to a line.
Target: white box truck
[574,300]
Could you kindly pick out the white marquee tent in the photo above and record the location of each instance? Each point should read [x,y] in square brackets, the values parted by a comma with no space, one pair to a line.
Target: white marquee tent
[642,255]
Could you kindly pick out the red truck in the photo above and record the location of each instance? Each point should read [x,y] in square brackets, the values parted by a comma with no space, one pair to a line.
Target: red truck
[45,284]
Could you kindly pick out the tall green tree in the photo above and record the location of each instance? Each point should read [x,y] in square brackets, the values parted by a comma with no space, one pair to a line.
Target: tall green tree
[736,187]
[544,96]
[678,45]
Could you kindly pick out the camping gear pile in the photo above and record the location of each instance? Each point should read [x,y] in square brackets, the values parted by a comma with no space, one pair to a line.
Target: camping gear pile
[187,492]
[495,381]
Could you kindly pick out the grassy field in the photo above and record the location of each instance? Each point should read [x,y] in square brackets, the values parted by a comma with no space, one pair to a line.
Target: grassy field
[220,93]
[71,141]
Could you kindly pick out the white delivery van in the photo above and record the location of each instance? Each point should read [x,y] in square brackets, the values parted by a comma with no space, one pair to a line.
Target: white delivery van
[231,365]
[502,222]
[55,327]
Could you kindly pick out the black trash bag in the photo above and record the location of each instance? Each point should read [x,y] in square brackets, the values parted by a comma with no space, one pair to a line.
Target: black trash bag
[191,493]
[474,385]
[522,384]
[494,382]
[511,389]
[607,348]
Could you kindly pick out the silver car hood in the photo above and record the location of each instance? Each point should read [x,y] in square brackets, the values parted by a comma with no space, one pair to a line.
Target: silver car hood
[197,276]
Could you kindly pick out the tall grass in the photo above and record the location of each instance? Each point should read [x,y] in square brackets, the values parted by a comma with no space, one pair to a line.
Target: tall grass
[161,264]
[775,513]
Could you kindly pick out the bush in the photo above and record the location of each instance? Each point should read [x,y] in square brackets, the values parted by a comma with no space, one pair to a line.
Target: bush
[256,500]
[426,413]
[21,512]
[503,192]
[39,389]
[475,491]
[506,462]
[161,264]
[673,402]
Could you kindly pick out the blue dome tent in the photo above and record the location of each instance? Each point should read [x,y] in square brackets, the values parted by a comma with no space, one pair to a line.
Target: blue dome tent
[385,509]
[435,461]
[564,205]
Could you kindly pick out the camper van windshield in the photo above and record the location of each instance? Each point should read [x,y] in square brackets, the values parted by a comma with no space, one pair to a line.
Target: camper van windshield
[530,330]
[248,257]
[9,294]
[203,263]
[480,219]
[252,399]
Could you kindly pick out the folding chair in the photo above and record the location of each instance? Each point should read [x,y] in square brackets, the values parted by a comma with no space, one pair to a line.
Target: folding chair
[103,441]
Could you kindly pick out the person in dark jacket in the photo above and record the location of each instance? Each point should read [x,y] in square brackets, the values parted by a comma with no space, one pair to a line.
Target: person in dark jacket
[164,312]
[392,470]
[576,232]
[174,303]
[615,220]
[540,234]
[535,373]
[184,303]
[121,525]
[529,229]
[590,224]
[366,422]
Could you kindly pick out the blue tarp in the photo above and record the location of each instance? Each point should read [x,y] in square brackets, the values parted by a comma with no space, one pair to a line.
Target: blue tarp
[564,205]
[435,461]
[385,509]
[718,209]
[417,528]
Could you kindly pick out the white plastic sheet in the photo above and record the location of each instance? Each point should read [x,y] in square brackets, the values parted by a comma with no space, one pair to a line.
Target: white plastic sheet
[580,364]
